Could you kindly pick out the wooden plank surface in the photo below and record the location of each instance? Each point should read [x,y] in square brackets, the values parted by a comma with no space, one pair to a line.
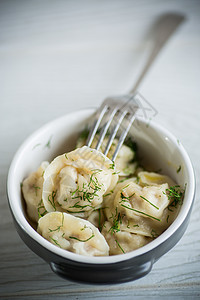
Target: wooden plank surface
[57,56]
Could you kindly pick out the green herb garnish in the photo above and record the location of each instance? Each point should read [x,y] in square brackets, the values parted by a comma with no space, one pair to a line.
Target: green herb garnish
[140,212]
[51,199]
[175,194]
[36,189]
[48,144]
[112,166]
[117,221]
[149,202]
[125,198]
[86,240]
[55,242]
[154,234]
[84,194]
[119,246]
[58,227]
[41,207]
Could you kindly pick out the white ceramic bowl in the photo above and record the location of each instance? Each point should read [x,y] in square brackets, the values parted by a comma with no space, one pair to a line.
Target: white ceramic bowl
[155,143]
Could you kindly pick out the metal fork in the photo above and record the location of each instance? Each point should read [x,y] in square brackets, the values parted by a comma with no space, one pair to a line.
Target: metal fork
[124,108]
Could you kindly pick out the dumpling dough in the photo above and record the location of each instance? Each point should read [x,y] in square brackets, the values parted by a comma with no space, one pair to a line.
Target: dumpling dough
[72,233]
[140,210]
[124,160]
[122,241]
[75,182]
[151,178]
[32,192]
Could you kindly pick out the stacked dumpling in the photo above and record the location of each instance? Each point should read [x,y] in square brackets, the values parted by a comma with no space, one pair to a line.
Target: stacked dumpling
[71,187]
[84,203]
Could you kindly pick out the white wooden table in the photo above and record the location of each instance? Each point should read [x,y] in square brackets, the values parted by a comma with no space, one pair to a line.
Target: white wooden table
[58,56]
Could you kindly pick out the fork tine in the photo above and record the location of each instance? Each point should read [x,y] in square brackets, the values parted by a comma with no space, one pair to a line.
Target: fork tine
[109,118]
[99,117]
[114,132]
[123,136]
[126,106]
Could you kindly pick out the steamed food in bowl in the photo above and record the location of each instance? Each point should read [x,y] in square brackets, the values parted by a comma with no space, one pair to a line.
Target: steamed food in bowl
[85,203]
[85,215]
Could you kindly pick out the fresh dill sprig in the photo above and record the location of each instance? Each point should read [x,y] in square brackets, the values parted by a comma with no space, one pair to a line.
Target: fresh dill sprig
[118,244]
[117,221]
[175,194]
[167,218]
[58,227]
[51,199]
[85,193]
[125,198]
[36,189]
[149,202]
[122,180]
[154,234]
[41,207]
[55,242]
[80,240]
[77,205]
[112,165]
[108,194]
[140,212]
[48,144]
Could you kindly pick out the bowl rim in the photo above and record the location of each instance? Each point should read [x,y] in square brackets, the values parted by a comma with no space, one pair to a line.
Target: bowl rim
[25,226]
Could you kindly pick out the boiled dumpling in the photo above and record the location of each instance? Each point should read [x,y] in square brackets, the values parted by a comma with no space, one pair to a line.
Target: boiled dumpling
[73,234]
[32,191]
[97,218]
[152,178]
[76,182]
[122,241]
[148,201]
[137,209]
[125,165]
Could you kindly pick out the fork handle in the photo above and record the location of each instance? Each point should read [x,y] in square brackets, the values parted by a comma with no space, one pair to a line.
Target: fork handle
[164,28]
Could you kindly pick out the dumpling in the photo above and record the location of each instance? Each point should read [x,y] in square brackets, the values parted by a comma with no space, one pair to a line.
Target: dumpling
[75,182]
[32,191]
[152,178]
[97,218]
[137,209]
[148,201]
[73,234]
[125,164]
[122,241]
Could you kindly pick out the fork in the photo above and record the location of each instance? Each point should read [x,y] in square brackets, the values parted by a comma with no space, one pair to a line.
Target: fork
[124,108]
